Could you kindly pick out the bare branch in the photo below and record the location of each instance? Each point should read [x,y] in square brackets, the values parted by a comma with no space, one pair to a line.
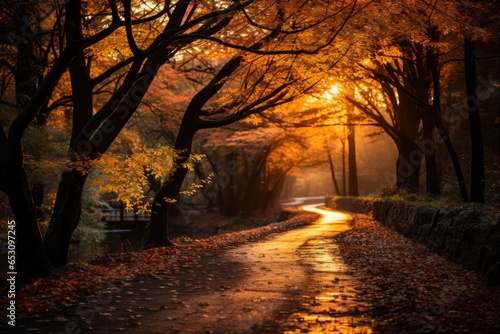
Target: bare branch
[137,52]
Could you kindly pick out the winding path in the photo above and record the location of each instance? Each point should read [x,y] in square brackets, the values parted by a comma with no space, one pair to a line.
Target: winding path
[294,282]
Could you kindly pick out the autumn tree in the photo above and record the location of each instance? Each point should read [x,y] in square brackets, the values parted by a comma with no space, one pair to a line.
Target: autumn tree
[331,165]
[263,83]
[93,133]
[29,31]
[405,60]
[250,168]
[111,52]
[480,15]
[413,80]
[273,74]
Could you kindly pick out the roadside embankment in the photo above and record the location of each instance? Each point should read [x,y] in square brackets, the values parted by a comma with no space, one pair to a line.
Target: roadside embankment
[469,236]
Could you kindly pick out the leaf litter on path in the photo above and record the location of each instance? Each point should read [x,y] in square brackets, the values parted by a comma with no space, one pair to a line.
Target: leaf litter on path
[93,281]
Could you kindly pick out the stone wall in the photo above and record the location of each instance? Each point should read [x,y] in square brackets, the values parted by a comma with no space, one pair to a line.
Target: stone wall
[460,235]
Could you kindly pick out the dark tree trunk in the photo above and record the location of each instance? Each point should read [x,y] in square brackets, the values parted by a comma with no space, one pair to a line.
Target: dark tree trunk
[65,217]
[153,182]
[93,134]
[410,156]
[476,134]
[427,78]
[68,206]
[26,74]
[158,230]
[435,113]
[432,177]
[258,189]
[353,168]
[253,186]
[273,194]
[344,181]
[38,194]
[408,166]
[454,159]
[228,199]
[332,172]
[31,257]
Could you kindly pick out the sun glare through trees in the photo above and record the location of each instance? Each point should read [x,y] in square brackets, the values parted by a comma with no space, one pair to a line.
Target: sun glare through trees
[128,125]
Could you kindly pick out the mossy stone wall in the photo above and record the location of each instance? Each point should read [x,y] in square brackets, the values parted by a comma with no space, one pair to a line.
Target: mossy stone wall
[460,235]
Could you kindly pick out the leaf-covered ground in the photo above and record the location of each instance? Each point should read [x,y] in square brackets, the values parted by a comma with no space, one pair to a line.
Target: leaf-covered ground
[413,290]
[76,282]
[408,288]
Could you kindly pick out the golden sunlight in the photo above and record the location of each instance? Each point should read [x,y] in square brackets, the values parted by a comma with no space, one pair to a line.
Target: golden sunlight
[330,94]
[328,215]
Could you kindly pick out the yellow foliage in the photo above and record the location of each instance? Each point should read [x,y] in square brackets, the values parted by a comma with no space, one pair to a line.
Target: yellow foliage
[253,119]
[127,177]
[194,186]
[192,161]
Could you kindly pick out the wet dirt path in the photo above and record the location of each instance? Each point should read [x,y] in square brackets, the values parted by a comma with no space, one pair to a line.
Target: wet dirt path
[294,282]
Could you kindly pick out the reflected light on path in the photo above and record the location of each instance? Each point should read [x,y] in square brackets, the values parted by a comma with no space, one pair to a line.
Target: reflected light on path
[334,306]
[328,216]
[304,267]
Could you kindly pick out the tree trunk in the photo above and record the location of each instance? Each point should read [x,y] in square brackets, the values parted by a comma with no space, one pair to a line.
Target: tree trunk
[37,191]
[408,166]
[430,77]
[332,172]
[158,229]
[26,74]
[65,216]
[253,186]
[353,169]
[454,159]
[410,155]
[25,201]
[476,134]
[67,209]
[31,257]
[344,181]
[432,177]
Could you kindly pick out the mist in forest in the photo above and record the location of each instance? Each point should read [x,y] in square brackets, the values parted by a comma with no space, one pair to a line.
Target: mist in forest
[376,157]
